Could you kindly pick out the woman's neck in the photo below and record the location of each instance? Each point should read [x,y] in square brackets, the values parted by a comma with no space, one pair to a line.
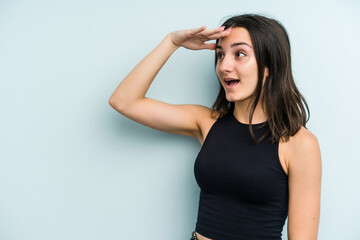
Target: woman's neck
[242,113]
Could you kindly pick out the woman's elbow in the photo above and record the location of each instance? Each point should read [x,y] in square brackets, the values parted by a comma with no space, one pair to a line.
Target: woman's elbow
[118,105]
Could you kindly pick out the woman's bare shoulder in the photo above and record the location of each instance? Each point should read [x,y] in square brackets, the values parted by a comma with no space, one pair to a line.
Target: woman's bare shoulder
[303,139]
[203,113]
[301,146]
[205,118]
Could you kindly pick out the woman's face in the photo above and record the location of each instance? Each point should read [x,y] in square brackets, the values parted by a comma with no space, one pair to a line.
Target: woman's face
[236,65]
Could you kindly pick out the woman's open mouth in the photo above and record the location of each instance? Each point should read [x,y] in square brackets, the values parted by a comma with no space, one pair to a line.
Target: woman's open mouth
[230,82]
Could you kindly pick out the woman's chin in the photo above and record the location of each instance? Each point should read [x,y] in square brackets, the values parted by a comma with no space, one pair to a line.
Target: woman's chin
[231,98]
[236,98]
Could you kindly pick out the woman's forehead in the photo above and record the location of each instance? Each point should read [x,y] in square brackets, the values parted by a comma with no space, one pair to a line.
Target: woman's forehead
[237,35]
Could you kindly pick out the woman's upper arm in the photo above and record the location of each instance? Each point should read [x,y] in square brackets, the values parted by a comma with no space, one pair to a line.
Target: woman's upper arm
[180,119]
[304,186]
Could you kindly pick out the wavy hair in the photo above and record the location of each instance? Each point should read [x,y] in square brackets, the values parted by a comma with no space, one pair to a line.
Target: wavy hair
[282,101]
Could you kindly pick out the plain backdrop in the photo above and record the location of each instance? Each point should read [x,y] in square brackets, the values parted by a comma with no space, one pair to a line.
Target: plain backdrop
[71,167]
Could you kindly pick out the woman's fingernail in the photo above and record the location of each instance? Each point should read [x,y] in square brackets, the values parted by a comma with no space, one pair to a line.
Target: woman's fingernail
[222,27]
[230,29]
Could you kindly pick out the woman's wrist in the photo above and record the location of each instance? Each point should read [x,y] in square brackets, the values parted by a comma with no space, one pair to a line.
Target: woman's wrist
[171,43]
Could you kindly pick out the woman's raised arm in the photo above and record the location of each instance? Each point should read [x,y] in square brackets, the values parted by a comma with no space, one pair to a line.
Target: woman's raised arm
[129,97]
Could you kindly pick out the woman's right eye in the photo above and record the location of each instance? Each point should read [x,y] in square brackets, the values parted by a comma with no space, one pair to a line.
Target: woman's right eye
[219,55]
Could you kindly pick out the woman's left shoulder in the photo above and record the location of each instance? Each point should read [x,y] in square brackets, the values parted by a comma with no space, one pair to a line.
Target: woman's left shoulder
[303,148]
[304,140]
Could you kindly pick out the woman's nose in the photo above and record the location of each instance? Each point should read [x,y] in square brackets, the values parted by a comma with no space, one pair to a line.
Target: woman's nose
[226,64]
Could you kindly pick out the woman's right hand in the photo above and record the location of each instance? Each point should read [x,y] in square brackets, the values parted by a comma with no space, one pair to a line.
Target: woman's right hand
[195,38]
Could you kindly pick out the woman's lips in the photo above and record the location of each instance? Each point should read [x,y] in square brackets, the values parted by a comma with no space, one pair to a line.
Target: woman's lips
[231,82]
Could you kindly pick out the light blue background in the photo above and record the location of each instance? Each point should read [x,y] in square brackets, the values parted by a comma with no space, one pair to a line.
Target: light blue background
[71,167]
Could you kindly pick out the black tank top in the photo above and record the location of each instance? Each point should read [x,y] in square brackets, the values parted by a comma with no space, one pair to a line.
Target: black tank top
[244,189]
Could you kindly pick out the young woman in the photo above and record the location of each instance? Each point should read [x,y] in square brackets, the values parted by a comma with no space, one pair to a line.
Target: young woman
[258,163]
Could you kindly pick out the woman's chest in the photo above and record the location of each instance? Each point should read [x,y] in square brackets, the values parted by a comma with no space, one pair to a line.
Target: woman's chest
[239,169]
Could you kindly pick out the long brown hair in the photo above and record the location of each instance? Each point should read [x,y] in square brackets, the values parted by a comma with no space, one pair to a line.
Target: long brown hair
[282,101]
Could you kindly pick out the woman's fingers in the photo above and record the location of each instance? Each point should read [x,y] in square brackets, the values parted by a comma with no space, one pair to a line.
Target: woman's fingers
[216,33]
[196,38]
[213,31]
[220,34]
[197,30]
[205,32]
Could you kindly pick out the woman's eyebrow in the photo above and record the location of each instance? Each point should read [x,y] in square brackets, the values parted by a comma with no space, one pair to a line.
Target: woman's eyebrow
[235,44]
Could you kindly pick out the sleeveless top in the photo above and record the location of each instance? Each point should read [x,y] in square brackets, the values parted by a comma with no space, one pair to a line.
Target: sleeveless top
[244,189]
